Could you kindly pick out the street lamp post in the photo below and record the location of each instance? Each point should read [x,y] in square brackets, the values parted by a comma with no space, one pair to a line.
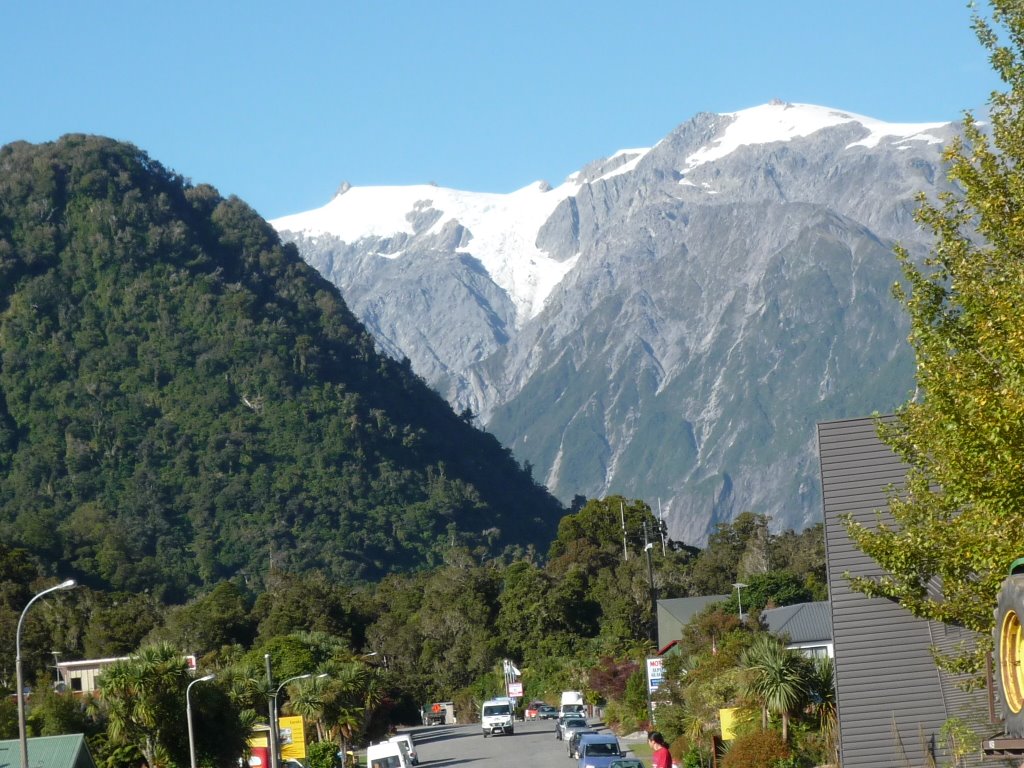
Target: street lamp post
[188,715]
[739,596]
[272,704]
[17,667]
[274,735]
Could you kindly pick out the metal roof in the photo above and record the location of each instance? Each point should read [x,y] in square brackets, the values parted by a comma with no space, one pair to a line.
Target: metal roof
[68,751]
[802,623]
[685,608]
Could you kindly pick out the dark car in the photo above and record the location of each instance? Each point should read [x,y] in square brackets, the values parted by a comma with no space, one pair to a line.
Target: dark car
[598,751]
[574,740]
[547,712]
[567,724]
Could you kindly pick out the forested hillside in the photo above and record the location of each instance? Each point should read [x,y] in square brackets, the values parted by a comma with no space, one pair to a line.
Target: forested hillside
[183,400]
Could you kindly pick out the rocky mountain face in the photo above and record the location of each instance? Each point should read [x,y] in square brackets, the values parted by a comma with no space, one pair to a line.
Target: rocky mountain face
[669,323]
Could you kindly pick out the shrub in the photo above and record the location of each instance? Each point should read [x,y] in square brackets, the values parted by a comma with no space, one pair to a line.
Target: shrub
[763,749]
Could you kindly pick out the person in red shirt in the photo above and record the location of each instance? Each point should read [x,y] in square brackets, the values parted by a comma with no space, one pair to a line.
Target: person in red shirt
[660,756]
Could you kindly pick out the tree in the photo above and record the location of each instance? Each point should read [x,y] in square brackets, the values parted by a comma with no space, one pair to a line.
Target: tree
[144,699]
[779,678]
[957,522]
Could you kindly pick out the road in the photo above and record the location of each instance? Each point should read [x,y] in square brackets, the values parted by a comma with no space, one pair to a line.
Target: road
[533,745]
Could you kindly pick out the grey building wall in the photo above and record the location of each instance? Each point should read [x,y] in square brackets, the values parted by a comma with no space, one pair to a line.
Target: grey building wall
[892,699]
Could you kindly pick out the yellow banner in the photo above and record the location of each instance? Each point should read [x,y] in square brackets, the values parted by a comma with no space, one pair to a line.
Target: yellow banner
[727,717]
[293,737]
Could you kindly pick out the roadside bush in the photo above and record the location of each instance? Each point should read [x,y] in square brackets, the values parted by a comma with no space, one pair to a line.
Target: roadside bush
[762,749]
[322,754]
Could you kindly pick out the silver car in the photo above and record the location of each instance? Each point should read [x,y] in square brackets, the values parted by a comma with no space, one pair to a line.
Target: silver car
[567,725]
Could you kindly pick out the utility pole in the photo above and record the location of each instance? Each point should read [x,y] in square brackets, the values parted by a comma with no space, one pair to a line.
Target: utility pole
[622,515]
[654,594]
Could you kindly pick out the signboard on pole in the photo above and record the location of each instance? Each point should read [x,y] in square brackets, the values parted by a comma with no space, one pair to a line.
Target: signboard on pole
[515,690]
[293,738]
[655,673]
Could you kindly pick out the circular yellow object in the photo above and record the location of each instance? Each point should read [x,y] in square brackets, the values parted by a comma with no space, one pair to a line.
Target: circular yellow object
[1010,657]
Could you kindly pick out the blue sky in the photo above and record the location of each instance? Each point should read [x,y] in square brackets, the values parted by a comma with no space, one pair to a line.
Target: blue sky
[279,103]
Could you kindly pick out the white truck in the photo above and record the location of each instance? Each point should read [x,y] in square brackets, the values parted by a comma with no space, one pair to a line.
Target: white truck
[496,716]
[572,704]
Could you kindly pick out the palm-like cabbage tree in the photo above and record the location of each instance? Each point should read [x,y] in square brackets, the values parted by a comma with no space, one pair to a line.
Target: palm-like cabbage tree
[143,699]
[778,678]
[823,706]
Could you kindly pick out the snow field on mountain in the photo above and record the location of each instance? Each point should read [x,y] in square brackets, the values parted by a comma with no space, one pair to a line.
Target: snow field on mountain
[784,122]
[504,229]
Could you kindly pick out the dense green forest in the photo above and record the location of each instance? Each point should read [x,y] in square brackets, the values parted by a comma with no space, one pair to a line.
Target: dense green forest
[580,618]
[183,399]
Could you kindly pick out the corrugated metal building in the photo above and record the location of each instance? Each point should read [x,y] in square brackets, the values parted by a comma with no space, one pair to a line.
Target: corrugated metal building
[675,613]
[68,751]
[892,699]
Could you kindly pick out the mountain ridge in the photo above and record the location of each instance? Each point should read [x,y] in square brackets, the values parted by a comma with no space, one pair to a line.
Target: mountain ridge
[183,399]
[709,280]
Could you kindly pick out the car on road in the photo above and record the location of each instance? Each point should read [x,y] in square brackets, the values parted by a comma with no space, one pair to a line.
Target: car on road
[598,750]
[533,709]
[547,712]
[574,740]
[566,725]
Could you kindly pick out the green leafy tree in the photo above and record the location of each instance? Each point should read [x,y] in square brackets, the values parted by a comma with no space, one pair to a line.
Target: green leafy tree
[717,567]
[962,435]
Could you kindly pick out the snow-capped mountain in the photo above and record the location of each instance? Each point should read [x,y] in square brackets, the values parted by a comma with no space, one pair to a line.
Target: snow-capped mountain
[668,323]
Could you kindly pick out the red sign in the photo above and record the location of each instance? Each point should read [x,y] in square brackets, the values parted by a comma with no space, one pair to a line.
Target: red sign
[515,690]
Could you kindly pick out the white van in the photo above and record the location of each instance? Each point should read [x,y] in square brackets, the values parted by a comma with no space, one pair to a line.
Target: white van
[496,717]
[406,738]
[388,754]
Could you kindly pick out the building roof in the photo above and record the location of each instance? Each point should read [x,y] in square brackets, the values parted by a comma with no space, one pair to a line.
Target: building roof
[802,623]
[682,609]
[68,751]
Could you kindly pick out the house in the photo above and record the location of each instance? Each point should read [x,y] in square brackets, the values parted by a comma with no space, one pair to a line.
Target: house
[676,613]
[806,626]
[892,700]
[81,676]
[68,751]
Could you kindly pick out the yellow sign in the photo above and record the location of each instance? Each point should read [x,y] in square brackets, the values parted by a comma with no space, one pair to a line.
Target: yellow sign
[293,737]
[727,717]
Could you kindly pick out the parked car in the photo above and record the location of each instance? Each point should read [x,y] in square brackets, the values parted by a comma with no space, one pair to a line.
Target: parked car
[598,750]
[547,712]
[568,724]
[574,740]
[532,709]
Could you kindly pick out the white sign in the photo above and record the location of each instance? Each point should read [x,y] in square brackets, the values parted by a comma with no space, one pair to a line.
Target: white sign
[655,673]
[515,690]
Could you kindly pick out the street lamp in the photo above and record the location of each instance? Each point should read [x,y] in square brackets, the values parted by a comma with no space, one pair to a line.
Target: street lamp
[188,714]
[274,736]
[739,596]
[17,666]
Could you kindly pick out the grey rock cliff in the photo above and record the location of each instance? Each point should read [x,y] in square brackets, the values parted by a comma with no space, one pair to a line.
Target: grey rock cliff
[713,315]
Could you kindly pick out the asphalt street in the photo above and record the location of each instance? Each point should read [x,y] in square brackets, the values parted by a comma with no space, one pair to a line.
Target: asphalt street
[533,745]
